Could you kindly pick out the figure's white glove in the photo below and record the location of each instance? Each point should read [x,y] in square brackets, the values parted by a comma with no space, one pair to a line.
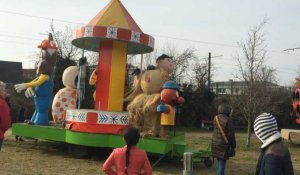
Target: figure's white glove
[20,87]
[29,92]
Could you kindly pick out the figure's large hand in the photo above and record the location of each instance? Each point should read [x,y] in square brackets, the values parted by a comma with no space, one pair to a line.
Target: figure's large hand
[29,92]
[20,87]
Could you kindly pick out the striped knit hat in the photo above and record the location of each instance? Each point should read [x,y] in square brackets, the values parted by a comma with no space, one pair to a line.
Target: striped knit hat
[265,128]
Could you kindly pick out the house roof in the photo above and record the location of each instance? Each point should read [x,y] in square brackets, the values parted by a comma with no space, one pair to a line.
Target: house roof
[11,72]
[236,83]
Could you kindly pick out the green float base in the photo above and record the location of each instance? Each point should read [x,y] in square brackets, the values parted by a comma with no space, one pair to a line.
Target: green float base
[174,145]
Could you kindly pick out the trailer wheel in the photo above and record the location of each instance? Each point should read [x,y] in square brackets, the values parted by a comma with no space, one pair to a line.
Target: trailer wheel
[78,151]
[208,163]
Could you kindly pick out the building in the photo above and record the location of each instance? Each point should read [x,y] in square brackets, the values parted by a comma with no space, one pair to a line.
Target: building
[29,74]
[11,72]
[233,87]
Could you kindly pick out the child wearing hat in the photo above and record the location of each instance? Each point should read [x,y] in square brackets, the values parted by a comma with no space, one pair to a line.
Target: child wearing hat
[275,158]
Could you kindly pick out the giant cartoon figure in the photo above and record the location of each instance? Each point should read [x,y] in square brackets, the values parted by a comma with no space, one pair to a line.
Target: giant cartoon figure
[73,79]
[65,98]
[43,84]
[145,97]
[295,108]
[169,99]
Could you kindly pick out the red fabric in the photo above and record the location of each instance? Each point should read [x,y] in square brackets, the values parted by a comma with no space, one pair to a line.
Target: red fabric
[138,162]
[95,128]
[4,117]
[104,75]
[92,117]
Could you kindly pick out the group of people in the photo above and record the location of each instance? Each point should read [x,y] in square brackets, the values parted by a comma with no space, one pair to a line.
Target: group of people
[274,159]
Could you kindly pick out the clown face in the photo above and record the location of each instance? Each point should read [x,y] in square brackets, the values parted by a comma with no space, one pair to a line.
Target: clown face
[171,96]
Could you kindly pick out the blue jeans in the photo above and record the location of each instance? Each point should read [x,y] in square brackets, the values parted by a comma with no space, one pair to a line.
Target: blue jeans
[221,166]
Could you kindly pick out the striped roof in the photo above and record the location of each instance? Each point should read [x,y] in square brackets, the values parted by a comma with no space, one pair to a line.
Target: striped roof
[115,15]
[113,23]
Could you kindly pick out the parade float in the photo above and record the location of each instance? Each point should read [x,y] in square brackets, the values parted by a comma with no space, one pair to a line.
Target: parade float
[293,135]
[114,34]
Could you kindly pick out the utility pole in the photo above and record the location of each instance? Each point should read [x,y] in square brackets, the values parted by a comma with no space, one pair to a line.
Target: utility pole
[209,68]
[231,86]
[209,65]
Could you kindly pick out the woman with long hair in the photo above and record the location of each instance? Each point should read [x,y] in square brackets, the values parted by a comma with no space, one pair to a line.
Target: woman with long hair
[128,160]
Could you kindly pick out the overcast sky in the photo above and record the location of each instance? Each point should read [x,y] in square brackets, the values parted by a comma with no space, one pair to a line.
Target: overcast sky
[207,26]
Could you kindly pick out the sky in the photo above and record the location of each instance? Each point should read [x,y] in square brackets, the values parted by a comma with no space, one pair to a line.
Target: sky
[214,26]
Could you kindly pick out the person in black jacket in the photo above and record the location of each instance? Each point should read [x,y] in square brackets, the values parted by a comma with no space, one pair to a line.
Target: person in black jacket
[275,158]
[219,144]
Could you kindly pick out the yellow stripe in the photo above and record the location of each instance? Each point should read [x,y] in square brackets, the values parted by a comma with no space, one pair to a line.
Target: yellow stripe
[114,17]
[117,76]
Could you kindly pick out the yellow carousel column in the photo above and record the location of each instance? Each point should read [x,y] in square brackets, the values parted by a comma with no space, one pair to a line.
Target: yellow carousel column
[117,78]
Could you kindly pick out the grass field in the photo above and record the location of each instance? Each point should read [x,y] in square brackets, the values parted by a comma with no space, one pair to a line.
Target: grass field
[47,158]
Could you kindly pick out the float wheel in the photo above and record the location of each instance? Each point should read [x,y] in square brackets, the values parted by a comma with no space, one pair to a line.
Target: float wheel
[78,151]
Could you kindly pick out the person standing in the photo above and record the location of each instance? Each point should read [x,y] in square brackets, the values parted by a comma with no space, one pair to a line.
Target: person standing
[20,119]
[275,158]
[223,138]
[129,159]
[4,113]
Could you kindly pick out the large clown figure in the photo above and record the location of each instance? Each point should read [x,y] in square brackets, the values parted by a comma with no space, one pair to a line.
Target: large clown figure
[43,84]
[169,99]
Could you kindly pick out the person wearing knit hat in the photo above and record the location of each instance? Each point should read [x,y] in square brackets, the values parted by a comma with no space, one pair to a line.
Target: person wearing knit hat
[275,157]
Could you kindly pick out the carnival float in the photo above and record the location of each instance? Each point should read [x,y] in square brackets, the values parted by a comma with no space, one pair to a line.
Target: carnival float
[151,103]
[293,135]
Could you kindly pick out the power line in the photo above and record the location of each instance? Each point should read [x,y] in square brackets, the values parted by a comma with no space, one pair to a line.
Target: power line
[162,36]
[39,17]
[4,41]
[19,37]
[197,41]
[218,44]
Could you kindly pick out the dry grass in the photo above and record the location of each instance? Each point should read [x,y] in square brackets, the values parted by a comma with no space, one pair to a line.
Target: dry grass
[47,158]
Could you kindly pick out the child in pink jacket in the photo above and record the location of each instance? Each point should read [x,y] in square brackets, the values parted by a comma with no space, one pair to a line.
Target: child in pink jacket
[129,159]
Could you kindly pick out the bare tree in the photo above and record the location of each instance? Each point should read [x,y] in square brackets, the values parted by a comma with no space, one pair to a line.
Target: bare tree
[142,61]
[181,61]
[258,78]
[67,50]
[63,40]
[200,72]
